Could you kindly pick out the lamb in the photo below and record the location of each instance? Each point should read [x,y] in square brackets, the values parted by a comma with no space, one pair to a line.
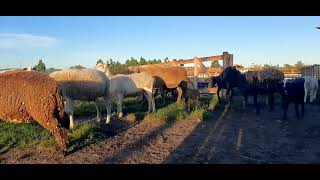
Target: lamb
[293,91]
[31,95]
[192,96]
[221,85]
[83,85]
[135,84]
[310,88]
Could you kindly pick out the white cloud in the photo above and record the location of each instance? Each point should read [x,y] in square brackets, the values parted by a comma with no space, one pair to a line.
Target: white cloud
[13,40]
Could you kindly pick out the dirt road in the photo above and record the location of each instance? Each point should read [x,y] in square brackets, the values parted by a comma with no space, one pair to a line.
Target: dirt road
[231,136]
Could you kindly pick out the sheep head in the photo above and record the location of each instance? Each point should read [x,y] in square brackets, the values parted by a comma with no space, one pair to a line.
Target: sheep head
[101,66]
[62,137]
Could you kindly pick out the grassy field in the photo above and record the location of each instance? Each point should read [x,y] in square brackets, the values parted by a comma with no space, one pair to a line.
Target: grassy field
[32,135]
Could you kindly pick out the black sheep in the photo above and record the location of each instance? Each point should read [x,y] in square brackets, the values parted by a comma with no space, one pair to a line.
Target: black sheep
[293,92]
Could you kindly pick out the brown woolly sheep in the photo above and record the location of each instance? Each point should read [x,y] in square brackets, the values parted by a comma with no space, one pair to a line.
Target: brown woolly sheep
[31,95]
[270,74]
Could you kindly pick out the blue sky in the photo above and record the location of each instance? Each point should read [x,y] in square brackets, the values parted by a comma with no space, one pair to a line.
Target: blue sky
[65,41]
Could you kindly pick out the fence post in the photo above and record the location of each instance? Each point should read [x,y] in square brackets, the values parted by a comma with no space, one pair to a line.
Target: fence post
[225,60]
[195,69]
[230,60]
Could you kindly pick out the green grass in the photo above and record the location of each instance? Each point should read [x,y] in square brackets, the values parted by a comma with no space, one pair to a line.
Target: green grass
[172,112]
[201,114]
[213,102]
[177,111]
[23,136]
[32,135]
[85,134]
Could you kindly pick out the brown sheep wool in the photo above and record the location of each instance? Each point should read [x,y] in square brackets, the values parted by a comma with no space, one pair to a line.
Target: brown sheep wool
[270,73]
[28,95]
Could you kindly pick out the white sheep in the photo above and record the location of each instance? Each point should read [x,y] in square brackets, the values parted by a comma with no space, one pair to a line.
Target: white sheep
[310,88]
[135,84]
[83,85]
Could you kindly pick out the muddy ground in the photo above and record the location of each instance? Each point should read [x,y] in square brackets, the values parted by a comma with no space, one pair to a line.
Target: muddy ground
[230,137]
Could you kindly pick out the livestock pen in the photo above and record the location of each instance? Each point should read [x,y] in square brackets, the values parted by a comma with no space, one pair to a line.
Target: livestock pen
[313,71]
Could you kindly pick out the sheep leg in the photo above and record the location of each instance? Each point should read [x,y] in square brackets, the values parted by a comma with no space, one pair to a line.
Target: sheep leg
[297,110]
[108,106]
[227,94]
[314,94]
[244,101]
[285,109]
[179,94]
[152,101]
[218,92]
[119,105]
[186,102]
[302,109]
[256,104]
[149,101]
[231,95]
[97,104]
[305,94]
[69,110]
[271,102]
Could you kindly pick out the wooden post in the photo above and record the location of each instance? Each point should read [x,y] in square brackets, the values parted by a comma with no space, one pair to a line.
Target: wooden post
[230,60]
[225,60]
[195,62]
[196,72]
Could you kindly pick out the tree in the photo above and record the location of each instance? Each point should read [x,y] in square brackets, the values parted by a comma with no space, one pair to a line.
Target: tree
[253,65]
[142,61]
[133,62]
[266,66]
[77,67]
[299,64]
[99,61]
[215,64]
[287,66]
[127,62]
[40,66]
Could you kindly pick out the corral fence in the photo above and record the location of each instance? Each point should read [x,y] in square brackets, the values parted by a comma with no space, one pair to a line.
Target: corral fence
[313,71]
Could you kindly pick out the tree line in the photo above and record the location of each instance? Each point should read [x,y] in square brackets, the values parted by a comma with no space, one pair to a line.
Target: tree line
[118,67]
